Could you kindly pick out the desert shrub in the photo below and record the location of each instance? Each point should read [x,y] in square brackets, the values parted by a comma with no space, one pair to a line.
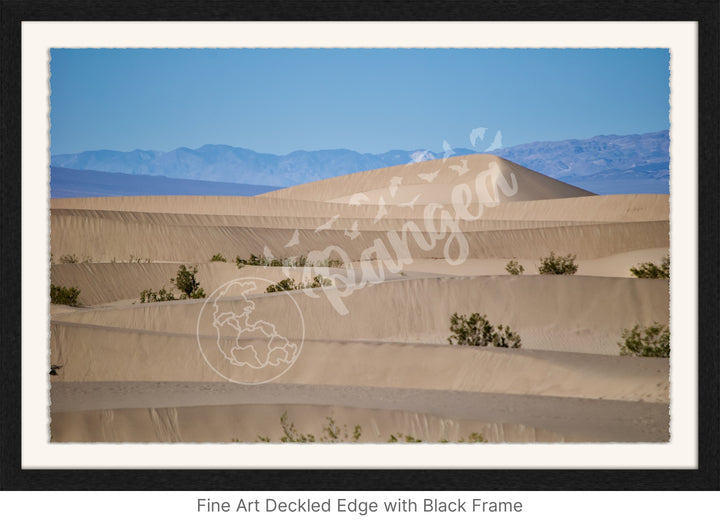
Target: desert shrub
[400,438]
[64,295]
[331,433]
[650,341]
[289,284]
[69,258]
[504,337]
[513,267]
[186,282]
[476,330]
[257,260]
[318,281]
[558,264]
[297,261]
[329,262]
[218,258]
[650,270]
[148,295]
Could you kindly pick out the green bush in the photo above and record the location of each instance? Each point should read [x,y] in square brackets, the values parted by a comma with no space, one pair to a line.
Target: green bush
[297,261]
[476,330]
[329,262]
[186,282]
[650,341]
[148,295]
[264,261]
[64,295]
[513,267]
[218,258]
[331,433]
[289,284]
[650,270]
[558,264]
[334,433]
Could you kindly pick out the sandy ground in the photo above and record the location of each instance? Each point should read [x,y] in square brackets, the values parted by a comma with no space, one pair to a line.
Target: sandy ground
[416,243]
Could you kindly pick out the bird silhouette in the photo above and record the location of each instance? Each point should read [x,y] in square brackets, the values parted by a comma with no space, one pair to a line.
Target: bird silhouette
[447,150]
[477,132]
[461,168]
[497,142]
[328,224]
[353,232]
[429,176]
[394,184]
[358,199]
[382,210]
[410,204]
[294,240]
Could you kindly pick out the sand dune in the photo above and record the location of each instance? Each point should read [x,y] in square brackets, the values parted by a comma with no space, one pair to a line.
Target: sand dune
[267,207]
[247,422]
[579,419]
[105,241]
[417,243]
[434,182]
[549,312]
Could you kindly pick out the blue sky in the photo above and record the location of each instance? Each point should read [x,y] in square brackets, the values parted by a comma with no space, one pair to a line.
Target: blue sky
[370,100]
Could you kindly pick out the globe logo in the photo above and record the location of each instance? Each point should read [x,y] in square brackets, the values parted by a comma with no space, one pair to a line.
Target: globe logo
[248,336]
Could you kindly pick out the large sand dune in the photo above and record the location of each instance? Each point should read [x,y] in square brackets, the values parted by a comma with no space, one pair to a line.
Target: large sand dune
[435,181]
[416,243]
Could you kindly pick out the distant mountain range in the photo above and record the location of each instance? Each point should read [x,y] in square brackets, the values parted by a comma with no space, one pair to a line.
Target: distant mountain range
[71,183]
[604,164]
[627,163]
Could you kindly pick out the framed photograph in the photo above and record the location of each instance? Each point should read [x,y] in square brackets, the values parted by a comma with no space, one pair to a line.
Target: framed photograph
[270,250]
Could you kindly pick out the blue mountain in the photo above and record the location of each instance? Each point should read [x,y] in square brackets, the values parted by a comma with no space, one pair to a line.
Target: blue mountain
[70,183]
[605,164]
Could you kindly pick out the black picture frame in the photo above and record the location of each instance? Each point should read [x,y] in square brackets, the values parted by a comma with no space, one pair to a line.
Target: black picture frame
[705,477]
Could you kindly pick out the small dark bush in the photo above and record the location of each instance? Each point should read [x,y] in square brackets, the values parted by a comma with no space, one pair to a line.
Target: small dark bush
[558,264]
[298,261]
[641,341]
[186,282]
[69,258]
[148,295]
[289,284]
[475,330]
[513,267]
[218,258]
[650,270]
[335,433]
[64,295]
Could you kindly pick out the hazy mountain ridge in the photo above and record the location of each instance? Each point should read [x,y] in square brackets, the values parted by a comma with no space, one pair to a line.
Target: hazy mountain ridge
[638,163]
[71,183]
[578,159]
